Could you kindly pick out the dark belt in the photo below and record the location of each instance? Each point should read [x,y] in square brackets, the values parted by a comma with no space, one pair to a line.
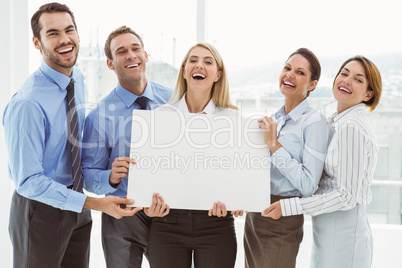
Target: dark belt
[275,198]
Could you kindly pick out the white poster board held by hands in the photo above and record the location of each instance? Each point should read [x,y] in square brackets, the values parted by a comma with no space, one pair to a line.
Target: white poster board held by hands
[194,160]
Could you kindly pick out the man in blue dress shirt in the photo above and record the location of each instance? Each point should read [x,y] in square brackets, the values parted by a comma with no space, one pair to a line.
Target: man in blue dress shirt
[107,136]
[50,223]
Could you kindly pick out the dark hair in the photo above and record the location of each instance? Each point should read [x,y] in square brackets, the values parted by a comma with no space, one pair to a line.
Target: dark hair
[315,67]
[121,30]
[373,78]
[48,8]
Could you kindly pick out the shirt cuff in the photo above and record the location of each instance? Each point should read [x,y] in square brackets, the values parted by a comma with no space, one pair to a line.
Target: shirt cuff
[104,182]
[291,206]
[277,158]
[75,201]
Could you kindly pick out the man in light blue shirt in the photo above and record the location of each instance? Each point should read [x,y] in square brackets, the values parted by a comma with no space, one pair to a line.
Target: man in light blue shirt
[50,223]
[107,136]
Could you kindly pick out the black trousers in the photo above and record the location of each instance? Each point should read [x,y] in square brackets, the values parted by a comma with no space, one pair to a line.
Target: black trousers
[176,237]
[270,243]
[43,236]
[125,240]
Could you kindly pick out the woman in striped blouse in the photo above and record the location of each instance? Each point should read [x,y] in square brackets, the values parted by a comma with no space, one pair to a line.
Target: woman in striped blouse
[342,235]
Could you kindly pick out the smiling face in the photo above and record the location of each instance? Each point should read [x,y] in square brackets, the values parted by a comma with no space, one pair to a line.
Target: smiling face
[201,71]
[59,41]
[129,59]
[351,86]
[295,79]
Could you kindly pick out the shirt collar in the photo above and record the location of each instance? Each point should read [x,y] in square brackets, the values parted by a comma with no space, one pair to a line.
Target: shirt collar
[296,113]
[209,109]
[129,98]
[348,112]
[60,79]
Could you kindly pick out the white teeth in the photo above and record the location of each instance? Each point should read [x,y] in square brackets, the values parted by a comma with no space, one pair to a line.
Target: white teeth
[132,66]
[289,84]
[198,75]
[65,50]
[344,89]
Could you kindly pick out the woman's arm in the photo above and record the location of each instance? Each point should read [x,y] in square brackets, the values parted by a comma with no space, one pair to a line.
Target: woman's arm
[305,173]
[352,163]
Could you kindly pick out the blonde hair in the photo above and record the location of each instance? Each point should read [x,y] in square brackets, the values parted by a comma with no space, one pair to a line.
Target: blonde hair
[220,90]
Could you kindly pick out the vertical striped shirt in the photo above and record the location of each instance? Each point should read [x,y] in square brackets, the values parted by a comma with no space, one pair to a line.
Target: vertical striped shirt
[348,170]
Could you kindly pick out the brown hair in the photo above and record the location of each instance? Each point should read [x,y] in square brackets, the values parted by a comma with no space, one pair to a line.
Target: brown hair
[48,8]
[220,90]
[121,30]
[315,67]
[373,78]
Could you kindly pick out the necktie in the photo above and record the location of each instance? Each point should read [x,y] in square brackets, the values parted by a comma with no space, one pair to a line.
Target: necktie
[72,122]
[142,102]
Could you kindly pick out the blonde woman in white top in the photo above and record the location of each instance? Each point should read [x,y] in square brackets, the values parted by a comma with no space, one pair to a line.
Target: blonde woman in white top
[207,236]
[342,235]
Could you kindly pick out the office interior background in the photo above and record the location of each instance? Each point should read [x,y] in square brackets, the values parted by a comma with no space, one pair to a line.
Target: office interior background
[254,37]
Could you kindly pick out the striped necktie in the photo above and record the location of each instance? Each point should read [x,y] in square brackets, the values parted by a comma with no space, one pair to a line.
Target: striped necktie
[142,102]
[72,121]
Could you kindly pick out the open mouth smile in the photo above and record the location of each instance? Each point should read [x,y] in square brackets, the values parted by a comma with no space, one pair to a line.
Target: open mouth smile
[199,76]
[288,84]
[345,90]
[132,66]
[65,51]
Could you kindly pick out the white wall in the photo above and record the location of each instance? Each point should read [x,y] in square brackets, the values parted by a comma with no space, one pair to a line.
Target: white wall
[13,71]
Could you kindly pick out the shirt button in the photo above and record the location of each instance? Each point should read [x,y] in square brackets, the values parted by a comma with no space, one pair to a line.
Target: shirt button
[165,220]
[189,214]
